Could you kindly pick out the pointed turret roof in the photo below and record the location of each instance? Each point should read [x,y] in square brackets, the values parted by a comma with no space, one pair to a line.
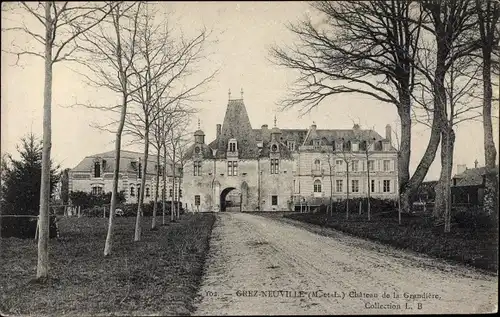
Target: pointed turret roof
[237,126]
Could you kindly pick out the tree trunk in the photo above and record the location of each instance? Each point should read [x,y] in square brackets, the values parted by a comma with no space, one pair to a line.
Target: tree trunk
[406,192]
[404,152]
[116,175]
[43,241]
[369,187]
[347,189]
[155,204]
[490,200]
[172,204]
[138,229]
[164,196]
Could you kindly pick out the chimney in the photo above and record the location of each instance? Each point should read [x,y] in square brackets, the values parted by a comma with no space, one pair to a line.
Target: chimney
[355,127]
[461,168]
[388,132]
[313,126]
[218,129]
[475,163]
[265,132]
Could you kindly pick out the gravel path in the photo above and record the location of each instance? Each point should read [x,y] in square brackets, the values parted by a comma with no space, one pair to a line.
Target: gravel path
[266,266]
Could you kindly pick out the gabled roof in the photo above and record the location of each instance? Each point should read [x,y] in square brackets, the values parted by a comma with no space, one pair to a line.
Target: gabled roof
[237,126]
[472,177]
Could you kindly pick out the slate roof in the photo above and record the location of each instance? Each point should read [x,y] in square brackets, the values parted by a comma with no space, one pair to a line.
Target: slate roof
[126,159]
[206,151]
[237,126]
[471,177]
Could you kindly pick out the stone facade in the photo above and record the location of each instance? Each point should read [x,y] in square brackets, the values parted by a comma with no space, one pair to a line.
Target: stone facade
[95,174]
[275,169]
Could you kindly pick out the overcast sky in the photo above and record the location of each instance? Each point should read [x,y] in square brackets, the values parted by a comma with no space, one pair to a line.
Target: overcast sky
[244,32]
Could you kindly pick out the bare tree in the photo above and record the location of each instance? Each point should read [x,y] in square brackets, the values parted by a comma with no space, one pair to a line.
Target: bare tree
[166,64]
[448,22]
[177,140]
[108,52]
[160,132]
[362,47]
[62,23]
[488,14]
[347,157]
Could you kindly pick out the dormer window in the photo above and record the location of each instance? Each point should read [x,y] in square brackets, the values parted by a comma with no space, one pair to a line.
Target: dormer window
[355,146]
[317,144]
[197,150]
[274,148]
[339,146]
[97,169]
[232,146]
[291,145]
[362,146]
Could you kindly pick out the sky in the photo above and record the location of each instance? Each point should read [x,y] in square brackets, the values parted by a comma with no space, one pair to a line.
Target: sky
[242,33]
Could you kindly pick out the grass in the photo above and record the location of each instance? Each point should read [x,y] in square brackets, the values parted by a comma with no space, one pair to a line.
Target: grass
[160,275]
[477,247]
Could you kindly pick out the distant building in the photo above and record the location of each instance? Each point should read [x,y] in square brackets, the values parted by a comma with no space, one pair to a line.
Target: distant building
[275,169]
[468,185]
[95,174]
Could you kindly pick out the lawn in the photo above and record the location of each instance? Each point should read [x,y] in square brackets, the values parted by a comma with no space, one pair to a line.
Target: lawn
[159,275]
[477,247]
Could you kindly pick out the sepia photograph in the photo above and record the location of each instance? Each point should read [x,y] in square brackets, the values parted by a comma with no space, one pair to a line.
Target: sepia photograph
[249,157]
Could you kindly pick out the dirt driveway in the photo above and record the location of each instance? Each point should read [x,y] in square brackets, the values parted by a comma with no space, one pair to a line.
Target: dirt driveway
[268,266]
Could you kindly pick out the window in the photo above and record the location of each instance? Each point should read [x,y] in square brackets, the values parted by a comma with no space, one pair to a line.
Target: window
[97,169]
[372,185]
[132,191]
[163,193]
[290,145]
[387,186]
[274,200]
[371,165]
[197,200]
[275,166]
[355,186]
[363,146]
[232,168]
[138,190]
[317,164]
[96,190]
[139,171]
[170,192]
[355,147]
[339,164]
[386,165]
[147,192]
[354,165]
[317,144]
[232,146]
[317,186]
[197,168]
[338,186]
[339,146]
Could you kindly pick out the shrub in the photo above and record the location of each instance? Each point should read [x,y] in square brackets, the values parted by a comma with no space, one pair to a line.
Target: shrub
[474,218]
[25,227]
